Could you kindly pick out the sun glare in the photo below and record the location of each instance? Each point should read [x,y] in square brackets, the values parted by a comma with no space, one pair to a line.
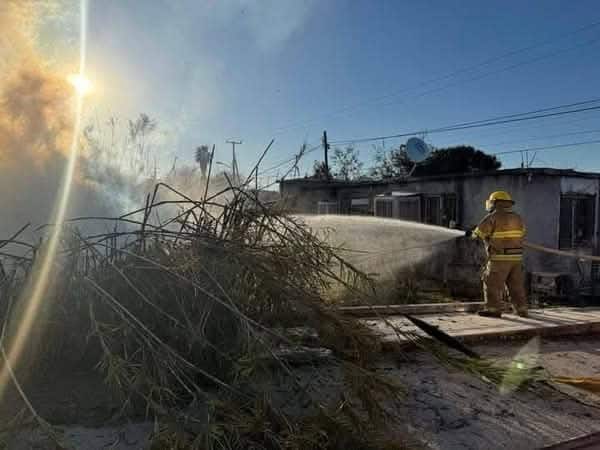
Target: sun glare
[81,84]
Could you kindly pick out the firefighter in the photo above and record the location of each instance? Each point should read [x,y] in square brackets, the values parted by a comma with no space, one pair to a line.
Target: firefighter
[502,231]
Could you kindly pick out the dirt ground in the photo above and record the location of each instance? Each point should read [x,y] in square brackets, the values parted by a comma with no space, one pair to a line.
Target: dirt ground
[84,413]
[452,410]
[444,408]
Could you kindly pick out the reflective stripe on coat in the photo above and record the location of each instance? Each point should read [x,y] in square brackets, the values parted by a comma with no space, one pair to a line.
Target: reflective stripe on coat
[503,232]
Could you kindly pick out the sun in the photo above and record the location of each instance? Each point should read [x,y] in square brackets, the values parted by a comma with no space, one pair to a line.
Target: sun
[82,85]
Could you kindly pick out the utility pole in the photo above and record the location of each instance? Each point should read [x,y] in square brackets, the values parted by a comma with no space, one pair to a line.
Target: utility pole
[234,166]
[326,150]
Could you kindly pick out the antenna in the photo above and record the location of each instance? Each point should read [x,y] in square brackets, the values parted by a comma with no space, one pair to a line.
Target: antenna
[532,160]
[522,161]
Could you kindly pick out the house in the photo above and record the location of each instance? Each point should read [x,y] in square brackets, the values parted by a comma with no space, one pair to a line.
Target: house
[560,207]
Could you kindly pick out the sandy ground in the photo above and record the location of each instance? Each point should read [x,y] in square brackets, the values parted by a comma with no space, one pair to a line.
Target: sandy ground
[444,408]
[452,410]
[131,436]
[81,410]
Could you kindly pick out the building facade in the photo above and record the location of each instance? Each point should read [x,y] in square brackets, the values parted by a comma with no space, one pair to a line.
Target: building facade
[560,207]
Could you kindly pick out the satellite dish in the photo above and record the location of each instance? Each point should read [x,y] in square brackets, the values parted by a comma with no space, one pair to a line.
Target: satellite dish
[417,150]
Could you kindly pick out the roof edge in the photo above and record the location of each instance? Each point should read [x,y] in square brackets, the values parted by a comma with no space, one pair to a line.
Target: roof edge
[400,180]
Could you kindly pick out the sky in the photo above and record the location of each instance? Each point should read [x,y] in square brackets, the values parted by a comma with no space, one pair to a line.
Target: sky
[213,70]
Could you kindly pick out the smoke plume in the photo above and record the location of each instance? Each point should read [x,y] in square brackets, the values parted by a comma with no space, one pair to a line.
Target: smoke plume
[36,117]
[117,160]
[36,126]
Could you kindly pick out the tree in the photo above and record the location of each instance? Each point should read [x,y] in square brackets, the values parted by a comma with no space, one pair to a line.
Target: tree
[139,130]
[319,171]
[459,159]
[346,164]
[391,164]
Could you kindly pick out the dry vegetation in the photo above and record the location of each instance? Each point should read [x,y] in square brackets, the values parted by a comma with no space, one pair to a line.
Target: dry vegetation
[185,318]
[190,310]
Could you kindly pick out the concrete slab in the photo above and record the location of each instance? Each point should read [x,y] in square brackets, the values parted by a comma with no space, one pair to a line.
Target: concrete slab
[470,328]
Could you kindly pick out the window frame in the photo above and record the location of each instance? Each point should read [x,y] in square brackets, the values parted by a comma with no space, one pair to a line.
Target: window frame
[451,216]
[588,239]
[426,210]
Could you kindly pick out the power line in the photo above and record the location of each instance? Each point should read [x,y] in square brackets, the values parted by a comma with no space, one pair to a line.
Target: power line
[547,147]
[517,127]
[550,136]
[466,69]
[289,160]
[481,123]
[478,124]
[501,70]
[537,111]
[521,119]
[510,118]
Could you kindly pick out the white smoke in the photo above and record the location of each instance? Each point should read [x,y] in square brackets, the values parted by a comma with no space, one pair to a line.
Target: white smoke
[36,124]
[36,129]
[117,166]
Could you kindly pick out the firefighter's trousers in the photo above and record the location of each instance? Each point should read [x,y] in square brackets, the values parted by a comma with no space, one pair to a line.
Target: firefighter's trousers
[496,275]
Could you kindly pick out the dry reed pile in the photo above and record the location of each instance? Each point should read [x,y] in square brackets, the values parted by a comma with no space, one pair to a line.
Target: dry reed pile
[178,307]
[184,305]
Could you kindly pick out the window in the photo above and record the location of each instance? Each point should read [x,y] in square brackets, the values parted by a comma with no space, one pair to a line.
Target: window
[383,207]
[449,213]
[433,210]
[327,207]
[345,206]
[409,209]
[360,206]
[577,219]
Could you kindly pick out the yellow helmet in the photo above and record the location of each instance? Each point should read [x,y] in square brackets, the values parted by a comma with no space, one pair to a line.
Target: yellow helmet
[495,196]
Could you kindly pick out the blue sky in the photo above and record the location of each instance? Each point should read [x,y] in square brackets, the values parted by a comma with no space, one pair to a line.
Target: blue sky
[255,70]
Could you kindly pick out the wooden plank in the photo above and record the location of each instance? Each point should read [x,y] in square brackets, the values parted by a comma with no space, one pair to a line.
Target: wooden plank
[417,309]
[467,328]
[471,328]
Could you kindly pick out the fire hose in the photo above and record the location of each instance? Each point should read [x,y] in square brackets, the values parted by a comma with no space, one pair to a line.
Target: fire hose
[555,251]
[589,384]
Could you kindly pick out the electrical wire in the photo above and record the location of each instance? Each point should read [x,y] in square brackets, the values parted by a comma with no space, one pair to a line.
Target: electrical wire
[476,124]
[517,127]
[547,147]
[487,122]
[537,111]
[510,118]
[522,150]
[497,71]
[536,138]
[466,69]
[498,120]
[289,160]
